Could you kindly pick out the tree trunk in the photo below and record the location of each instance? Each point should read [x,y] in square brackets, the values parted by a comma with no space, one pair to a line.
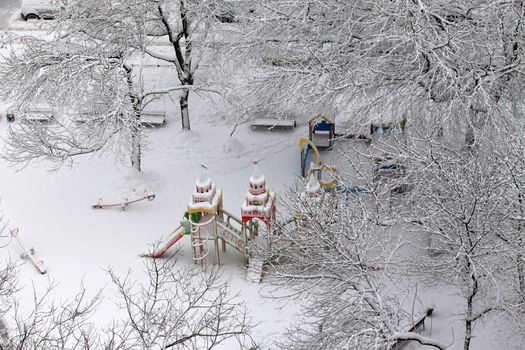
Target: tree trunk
[136,153]
[519,260]
[136,149]
[4,335]
[469,320]
[521,276]
[468,334]
[184,112]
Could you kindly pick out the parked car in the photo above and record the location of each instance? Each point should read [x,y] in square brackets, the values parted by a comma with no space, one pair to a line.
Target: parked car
[39,9]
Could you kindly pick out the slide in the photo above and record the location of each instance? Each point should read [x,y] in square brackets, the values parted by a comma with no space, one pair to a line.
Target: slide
[310,155]
[174,237]
[308,149]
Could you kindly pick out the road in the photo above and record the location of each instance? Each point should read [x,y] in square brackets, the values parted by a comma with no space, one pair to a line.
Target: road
[7,9]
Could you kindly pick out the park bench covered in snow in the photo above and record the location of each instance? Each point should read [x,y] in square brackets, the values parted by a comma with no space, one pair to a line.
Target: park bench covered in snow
[268,121]
[40,115]
[153,118]
[147,118]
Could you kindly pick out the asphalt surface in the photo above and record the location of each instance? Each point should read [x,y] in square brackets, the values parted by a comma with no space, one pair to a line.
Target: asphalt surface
[7,9]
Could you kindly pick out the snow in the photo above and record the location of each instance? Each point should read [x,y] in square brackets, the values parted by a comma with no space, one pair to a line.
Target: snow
[207,202]
[266,199]
[420,338]
[313,185]
[52,211]
[54,215]
[203,181]
[260,198]
[78,244]
[257,177]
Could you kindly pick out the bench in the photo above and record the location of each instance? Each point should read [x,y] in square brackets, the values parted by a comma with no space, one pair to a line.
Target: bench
[153,119]
[43,116]
[147,119]
[271,122]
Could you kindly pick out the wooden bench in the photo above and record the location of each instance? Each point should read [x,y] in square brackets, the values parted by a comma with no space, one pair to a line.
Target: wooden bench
[153,119]
[270,122]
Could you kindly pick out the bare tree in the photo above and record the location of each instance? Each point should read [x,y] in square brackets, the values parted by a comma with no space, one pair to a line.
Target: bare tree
[457,62]
[178,308]
[7,288]
[90,69]
[336,260]
[509,150]
[460,200]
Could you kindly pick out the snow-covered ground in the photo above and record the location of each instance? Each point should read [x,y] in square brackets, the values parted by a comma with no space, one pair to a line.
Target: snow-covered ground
[53,212]
[54,215]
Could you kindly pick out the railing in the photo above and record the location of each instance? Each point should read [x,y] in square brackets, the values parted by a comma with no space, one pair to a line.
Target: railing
[420,323]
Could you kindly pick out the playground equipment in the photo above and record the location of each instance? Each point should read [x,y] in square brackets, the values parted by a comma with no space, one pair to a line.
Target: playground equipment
[259,202]
[124,204]
[321,134]
[321,131]
[311,163]
[206,220]
[386,128]
[203,210]
[173,238]
[309,155]
[28,254]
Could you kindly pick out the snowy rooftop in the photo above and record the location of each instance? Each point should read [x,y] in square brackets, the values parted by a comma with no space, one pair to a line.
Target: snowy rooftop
[257,177]
[203,180]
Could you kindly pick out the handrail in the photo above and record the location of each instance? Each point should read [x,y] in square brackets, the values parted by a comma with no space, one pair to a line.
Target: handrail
[233,230]
[232,216]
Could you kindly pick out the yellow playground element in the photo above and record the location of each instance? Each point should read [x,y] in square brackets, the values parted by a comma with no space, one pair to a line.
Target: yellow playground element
[308,148]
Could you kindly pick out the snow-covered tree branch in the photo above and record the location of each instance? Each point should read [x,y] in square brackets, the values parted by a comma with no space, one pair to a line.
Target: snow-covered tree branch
[92,64]
[177,308]
[454,62]
[336,260]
